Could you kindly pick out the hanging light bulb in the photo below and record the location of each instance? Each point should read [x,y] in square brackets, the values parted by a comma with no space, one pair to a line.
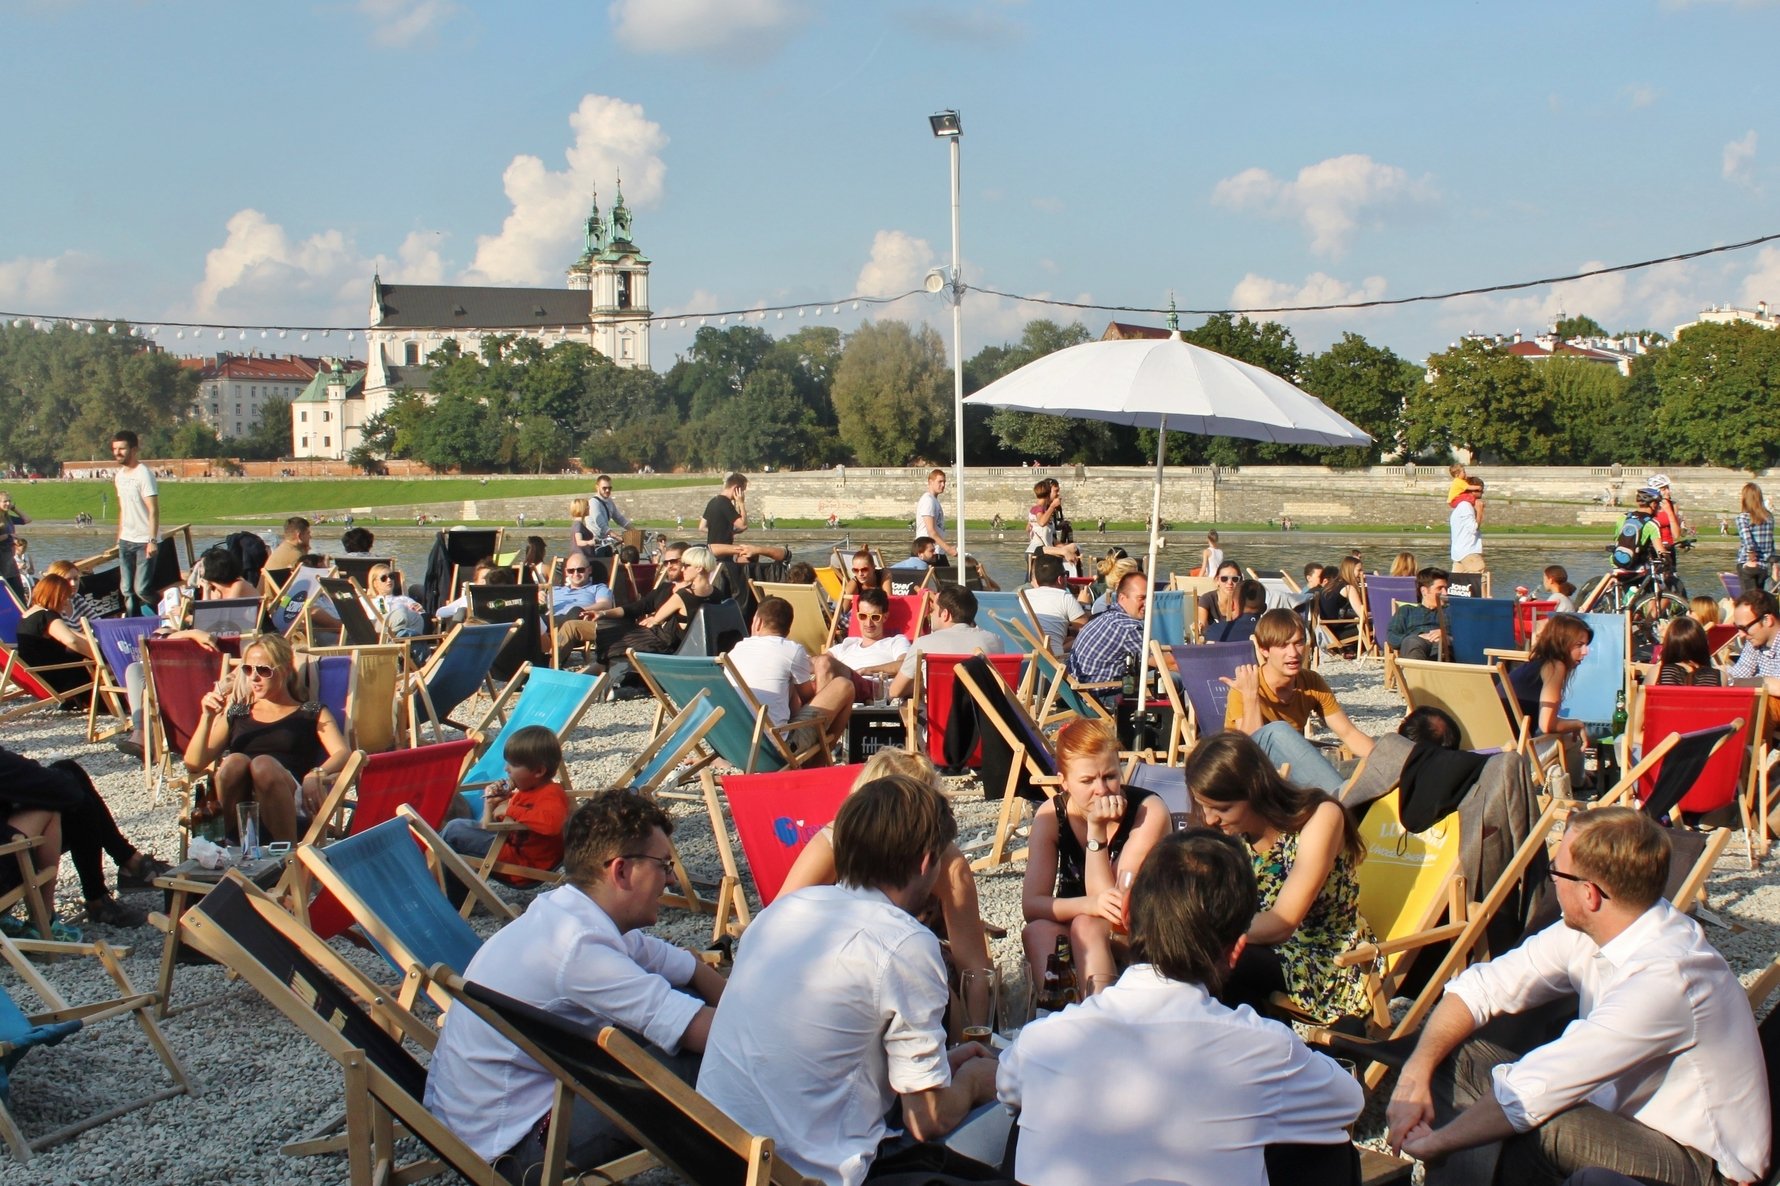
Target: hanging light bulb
[262,333]
[282,333]
[723,321]
[155,332]
[91,329]
[180,334]
[779,316]
[818,310]
[304,338]
[243,336]
[682,323]
[836,309]
[350,336]
[800,312]
[220,335]
[325,333]
[111,329]
[855,306]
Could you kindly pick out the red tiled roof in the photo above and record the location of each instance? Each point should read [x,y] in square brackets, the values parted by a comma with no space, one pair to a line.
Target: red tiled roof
[1120,330]
[1528,350]
[290,368]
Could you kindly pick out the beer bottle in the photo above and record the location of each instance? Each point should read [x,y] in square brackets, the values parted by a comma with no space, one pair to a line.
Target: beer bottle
[1050,995]
[1619,714]
[1128,688]
[1067,989]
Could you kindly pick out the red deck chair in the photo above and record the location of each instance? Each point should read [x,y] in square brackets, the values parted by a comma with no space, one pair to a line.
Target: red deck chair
[939,687]
[908,615]
[16,677]
[423,778]
[1527,616]
[775,815]
[1723,780]
[179,673]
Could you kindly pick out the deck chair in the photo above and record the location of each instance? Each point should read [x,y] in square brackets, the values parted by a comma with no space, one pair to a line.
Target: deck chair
[177,673]
[423,779]
[1195,691]
[1478,624]
[1733,584]
[455,672]
[357,569]
[296,600]
[387,879]
[328,679]
[1381,592]
[370,722]
[118,642]
[907,616]
[32,688]
[652,1106]
[931,697]
[464,547]
[716,628]
[349,1017]
[809,621]
[1056,697]
[20,1033]
[527,608]
[1471,692]
[745,737]
[1167,783]
[357,627]
[1017,759]
[1695,779]
[1595,685]
[1528,617]
[1168,617]
[10,613]
[656,773]
[228,615]
[774,816]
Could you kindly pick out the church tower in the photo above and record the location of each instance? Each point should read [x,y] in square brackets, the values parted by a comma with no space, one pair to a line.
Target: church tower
[617,275]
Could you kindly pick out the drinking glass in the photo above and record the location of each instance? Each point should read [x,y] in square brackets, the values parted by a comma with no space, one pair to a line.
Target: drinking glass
[1016,999]
[978,989]
[1126,877]
[248,816]
[1101,981]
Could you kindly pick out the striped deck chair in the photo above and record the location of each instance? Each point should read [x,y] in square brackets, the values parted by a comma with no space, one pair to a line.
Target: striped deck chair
[371,722]
[118,642]
[455,672]
[774,817]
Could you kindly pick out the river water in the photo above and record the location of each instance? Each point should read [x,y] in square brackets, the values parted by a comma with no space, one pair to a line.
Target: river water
[1513,560]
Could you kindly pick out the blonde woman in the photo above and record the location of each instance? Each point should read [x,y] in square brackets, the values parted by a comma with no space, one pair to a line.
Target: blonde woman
[581,537]
[1343,602]
[1404,565]
[275,750]
[955,893]
[660,632]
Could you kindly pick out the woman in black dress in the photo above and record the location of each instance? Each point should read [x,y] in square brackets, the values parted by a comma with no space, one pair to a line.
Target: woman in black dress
[61,654]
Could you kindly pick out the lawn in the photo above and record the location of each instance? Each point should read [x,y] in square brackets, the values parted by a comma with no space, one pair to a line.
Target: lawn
[222,501]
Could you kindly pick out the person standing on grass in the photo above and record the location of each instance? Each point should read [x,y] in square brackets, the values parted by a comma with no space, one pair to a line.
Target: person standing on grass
[138,521]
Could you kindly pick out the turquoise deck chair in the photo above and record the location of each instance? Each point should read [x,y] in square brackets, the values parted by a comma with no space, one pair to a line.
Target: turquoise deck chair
[1478,623]
[1595,685]
[1168,617]
[743,737]
[994,611]
[554,699]
[381,877]
[456,672]
[1055,697]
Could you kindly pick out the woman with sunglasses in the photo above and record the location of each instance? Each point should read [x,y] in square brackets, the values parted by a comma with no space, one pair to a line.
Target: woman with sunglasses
[1221,604]
[275,750]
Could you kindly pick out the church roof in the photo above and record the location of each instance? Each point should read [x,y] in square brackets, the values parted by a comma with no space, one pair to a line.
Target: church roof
[317,391]
[419,378]
[453,306]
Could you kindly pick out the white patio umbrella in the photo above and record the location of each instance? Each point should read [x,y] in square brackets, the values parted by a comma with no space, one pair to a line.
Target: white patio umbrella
[1168,383]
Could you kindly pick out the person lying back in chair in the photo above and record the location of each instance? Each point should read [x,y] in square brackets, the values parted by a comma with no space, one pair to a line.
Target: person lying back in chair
[580,953]
[1415,627]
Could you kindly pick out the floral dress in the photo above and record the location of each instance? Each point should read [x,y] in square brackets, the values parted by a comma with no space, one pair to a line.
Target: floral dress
[1313,982]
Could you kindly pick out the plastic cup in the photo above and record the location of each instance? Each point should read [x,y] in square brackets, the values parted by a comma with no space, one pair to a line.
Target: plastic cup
[248,816]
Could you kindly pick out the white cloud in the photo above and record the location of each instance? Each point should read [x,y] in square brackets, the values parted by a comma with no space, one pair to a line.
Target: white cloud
[259,267]
[1639,95]
[40,284]
[1319,288]
[899,262]
[1739,160]
[1763,281]
[750,29]
[1330,198]
[419,260]
[404,22]
[537,239]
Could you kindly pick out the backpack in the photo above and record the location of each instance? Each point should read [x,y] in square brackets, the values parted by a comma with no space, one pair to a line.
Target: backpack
[1629,546]
[251,551]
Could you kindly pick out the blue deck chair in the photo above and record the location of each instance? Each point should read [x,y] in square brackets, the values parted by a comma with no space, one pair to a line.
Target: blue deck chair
[381,876]
[745,736]
[1168,617]
[1169,784]
[457,671]
[1478,623]
[1595,685]
[1381,592]
[554,699]
[1056,698]
[681,739]
[1733,584]
[10,613]
[119,642]
[330,681]
[996,612]
[1197,694]
[20,1033]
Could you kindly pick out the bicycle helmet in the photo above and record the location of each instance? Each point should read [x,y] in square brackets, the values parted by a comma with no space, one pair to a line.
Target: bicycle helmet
[1660,482]
[1649,496]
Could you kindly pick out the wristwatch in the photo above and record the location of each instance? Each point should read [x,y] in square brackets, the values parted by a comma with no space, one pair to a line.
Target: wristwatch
[1096,846]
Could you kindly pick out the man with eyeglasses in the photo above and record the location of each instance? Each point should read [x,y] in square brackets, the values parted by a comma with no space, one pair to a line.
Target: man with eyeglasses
[574,606]
[580,953]
[1111,636]
[608,520]
[601,621]
[876,651]
[1660,1076]
[1756,615]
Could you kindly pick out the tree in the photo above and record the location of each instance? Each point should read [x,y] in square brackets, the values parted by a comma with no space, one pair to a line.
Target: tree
[195,438]
[269,439]
[1483,400]
[1032,434]
[542,443]
[1719,396]
[1593,421]
[1367,384]
[891,393]
[1578,326]
[461,432]
[767,424]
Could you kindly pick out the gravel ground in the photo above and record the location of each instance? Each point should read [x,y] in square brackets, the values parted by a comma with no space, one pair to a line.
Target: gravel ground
[261,1083]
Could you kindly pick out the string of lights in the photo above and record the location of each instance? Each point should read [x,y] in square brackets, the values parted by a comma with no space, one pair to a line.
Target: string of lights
[196,330]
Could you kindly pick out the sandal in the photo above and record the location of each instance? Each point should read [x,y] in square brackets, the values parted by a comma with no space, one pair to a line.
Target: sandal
[141,872]
[63,932]
[112,913]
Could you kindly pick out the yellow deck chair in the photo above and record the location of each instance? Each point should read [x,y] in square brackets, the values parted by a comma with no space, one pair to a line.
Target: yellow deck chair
[809,621]
[1469,692]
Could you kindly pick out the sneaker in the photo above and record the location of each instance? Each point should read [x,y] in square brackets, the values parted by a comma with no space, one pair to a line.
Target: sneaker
[63,932]
[14,927]
[113,913]
[128,744]
[146,869]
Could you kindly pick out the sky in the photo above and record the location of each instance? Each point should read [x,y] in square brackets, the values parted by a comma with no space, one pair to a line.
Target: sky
[256,164]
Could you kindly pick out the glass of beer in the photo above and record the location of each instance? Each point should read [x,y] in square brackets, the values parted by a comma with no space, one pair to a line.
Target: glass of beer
[978,991]
[1126,877]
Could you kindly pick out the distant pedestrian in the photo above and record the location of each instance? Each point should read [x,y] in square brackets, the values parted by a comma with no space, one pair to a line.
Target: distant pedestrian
[10,518]
[138,521]
[930,513]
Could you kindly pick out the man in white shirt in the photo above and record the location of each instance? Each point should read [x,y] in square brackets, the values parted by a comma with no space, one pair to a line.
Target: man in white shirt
[138,522]
[877,650]
[779,673]
[834,1012]
[955,633]
[1182,1088]
[930,513]
[1661,1075]
[579,953]
[1466,527]
[1057,610]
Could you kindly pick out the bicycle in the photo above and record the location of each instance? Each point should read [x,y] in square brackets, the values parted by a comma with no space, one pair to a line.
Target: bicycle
[1651,594]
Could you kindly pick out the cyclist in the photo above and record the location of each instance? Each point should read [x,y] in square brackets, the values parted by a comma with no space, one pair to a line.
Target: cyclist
[1639,541]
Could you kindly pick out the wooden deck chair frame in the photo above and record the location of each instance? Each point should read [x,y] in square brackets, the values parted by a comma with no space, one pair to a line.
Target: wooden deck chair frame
[107,686]
[379,1108]
[1472,694]
[613,1073]
[1056,680]
[1037,775]
[811,625]
[17,676]
[163,759]
[1623,794]
[29,890]
[680,739]
[417,696]
[127,1003]
[373,721]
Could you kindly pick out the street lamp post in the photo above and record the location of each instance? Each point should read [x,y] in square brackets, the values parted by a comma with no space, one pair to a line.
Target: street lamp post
[947,126]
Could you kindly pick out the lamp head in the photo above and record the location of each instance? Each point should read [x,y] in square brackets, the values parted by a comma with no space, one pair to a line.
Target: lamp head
[937,280]
[946,123]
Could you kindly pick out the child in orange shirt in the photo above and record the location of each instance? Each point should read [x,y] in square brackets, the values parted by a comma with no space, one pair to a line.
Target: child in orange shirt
[1461,481]
[530,797]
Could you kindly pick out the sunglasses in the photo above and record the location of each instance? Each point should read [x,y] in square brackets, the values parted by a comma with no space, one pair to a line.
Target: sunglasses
[577,572]
[1557,876]
[258,670]
[1229,580]
[872,617]
[384,579]
[1746,627]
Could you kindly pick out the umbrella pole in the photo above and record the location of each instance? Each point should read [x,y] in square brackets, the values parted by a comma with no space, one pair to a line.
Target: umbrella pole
[1149,601]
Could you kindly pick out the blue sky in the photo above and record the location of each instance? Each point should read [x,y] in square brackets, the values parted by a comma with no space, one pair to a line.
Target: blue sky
[254,163]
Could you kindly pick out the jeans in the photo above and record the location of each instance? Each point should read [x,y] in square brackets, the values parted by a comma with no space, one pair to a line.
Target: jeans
[1282,742]
[593,1138]
[1585,1136]
[135,568]
[467,837]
